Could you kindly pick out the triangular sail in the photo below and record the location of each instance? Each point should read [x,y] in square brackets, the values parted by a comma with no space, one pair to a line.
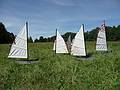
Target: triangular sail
[60,46]
[19,46]
[101,44]
[78,46]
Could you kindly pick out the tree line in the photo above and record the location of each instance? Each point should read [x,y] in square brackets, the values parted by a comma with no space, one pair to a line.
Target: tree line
[7,37]
[112,34]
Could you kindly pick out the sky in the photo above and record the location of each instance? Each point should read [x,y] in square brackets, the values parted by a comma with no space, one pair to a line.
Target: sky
[44,16]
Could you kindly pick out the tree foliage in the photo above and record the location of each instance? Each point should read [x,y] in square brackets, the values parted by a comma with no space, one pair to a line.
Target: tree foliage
[112,34]
[5,37]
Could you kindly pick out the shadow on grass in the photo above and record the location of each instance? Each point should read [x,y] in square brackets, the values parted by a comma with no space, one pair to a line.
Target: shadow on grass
[28,61]
[89,56]
[104,52]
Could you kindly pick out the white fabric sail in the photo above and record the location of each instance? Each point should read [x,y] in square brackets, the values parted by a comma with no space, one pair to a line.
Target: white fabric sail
[60,44]
[19,46]
[101,44]
[78,45]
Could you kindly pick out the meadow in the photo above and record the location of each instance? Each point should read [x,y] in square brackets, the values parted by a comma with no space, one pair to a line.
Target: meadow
[61,71]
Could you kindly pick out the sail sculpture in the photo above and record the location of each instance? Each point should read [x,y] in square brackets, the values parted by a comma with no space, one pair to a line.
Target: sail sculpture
[19,46]
[101,44]
[78,46]
[60,46]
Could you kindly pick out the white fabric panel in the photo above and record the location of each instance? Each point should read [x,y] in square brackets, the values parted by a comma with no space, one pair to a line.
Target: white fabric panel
[60,44]
[78,45]
[101,44]
[19,46]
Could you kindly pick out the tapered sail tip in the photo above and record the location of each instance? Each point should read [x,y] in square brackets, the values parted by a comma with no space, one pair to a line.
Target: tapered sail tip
[82,26]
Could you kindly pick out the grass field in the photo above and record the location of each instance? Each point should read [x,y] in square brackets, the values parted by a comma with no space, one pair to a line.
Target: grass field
[61,72]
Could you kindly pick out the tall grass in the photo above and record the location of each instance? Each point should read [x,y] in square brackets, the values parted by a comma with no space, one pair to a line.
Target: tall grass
[61,71]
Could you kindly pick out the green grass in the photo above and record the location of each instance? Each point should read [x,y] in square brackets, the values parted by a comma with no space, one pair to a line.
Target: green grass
[61,72]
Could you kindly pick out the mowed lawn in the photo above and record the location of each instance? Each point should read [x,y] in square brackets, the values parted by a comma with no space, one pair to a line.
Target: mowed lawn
[61,71]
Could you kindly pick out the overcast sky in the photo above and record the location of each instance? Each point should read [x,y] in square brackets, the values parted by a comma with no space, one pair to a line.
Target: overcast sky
[44,16]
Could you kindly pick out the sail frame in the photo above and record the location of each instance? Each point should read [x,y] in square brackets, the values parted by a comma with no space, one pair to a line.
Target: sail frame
[60,45]
[101,43]
[19,48]
[78,44]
